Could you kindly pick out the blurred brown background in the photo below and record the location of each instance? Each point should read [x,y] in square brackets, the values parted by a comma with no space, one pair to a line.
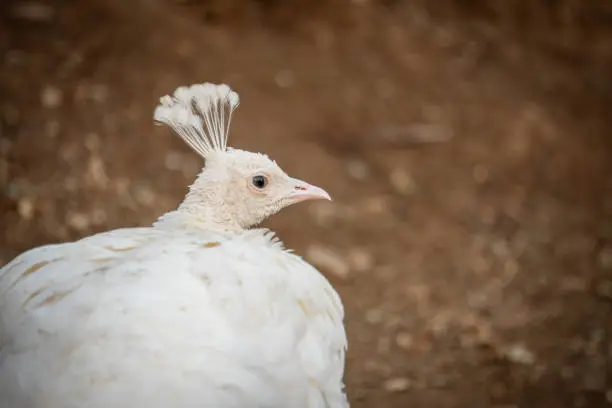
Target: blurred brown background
[466,145]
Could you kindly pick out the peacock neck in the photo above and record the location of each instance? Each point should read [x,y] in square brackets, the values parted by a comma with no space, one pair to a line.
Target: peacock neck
[203,209]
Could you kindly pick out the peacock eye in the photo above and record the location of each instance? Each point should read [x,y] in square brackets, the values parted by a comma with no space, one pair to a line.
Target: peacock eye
[260,181]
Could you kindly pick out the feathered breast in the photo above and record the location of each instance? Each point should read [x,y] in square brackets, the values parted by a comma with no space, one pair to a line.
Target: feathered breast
[146,300]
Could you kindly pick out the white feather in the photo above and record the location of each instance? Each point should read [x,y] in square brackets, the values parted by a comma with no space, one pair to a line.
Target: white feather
[150,318]
[200,114]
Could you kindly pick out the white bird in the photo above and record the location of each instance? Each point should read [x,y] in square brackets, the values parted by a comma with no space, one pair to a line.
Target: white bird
[200,310]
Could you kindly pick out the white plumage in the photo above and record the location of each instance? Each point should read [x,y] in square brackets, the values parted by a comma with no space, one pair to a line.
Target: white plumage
[197,311]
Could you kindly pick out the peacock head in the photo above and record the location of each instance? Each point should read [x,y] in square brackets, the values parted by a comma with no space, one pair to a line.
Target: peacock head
[236,189]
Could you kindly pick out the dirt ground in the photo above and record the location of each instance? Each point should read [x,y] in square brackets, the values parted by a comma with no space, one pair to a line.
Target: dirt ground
[470,235]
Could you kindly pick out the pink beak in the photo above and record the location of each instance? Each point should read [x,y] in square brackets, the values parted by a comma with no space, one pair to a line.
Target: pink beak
[304,191]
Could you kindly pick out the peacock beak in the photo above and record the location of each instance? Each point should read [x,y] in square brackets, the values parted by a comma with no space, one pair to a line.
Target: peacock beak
[303,191]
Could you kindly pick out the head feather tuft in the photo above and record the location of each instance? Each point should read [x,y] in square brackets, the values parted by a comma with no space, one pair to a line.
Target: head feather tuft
[200,115]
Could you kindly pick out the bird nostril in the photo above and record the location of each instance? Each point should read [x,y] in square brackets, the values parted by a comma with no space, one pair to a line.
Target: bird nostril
[300,188]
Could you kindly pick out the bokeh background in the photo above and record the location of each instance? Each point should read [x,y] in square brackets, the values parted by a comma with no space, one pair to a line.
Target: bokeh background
[466,145]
